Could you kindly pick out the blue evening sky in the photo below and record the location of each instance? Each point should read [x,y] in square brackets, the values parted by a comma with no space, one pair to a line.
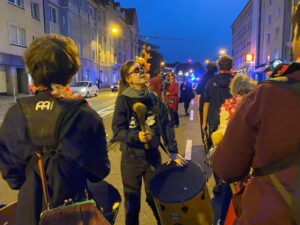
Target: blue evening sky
[203,24]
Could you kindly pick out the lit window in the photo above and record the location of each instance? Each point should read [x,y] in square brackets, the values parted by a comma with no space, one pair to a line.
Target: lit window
[19,3]
[53,15]
[17,35]
[35,10]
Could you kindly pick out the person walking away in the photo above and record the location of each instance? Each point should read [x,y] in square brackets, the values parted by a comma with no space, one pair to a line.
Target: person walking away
[186,94]
[173,99]
[215,93]
[140,153]
[156,84]
[68,132]
[264,133]
[211,71]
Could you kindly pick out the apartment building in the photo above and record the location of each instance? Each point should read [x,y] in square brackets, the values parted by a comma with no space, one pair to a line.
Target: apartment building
[21,21]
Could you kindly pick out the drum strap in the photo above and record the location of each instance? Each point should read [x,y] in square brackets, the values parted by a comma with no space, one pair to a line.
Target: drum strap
[156,108]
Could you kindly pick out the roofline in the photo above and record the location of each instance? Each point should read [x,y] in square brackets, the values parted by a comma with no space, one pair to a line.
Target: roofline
[243,10]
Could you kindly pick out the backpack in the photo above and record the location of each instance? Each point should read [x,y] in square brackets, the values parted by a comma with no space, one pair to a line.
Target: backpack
[293,200]
[47,121]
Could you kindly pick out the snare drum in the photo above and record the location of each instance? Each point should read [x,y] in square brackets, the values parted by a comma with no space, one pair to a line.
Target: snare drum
[181,196]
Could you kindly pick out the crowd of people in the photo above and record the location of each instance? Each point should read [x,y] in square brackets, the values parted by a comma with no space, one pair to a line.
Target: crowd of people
[250,132]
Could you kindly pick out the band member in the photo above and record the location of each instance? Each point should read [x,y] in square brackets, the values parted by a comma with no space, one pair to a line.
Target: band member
[138,161]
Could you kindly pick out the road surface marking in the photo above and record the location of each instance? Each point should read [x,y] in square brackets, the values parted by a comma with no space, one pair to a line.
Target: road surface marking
[192,115]
[188,150]
[109,107]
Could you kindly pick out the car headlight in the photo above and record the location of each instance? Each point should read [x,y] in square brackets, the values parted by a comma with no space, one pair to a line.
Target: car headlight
[111,86]
[83,90]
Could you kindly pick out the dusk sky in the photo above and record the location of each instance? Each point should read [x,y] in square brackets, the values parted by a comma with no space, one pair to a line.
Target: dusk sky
[204,25]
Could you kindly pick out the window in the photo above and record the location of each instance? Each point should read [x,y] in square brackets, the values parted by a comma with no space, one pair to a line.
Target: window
[277,33]
[270,19]
[278,12]
[269,38]
[19,3]
[35,10]
[17,35]
[276,53]
[53,15]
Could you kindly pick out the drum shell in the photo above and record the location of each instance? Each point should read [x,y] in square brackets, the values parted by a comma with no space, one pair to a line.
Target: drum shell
[181,195]
[196,211]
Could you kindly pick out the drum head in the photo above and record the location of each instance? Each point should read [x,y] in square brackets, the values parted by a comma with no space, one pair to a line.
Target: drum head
[173,184]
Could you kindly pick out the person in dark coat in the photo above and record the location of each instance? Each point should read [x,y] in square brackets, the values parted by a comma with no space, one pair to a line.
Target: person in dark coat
[138,161]
[215,93]
[265,130]
[211,71]
[79,153]
[186,94]
[172,99]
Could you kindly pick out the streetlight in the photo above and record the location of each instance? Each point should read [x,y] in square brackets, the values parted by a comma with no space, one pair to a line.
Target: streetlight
[222,52]
[162,63]
[207,61]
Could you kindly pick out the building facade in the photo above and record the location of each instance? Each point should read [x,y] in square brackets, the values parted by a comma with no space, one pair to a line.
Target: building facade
[268,38]
[89,23]
[242,38]
[21,21]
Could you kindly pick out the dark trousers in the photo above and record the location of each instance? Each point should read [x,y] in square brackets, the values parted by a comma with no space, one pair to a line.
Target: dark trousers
[201,122]
[186,106]
[174,117]
[135,167]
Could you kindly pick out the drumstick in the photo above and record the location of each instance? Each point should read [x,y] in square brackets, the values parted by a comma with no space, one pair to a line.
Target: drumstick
[140,110]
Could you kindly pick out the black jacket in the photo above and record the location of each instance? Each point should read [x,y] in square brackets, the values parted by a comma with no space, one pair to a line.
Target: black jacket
[186,91]
[83,145]
[126,127]
[215,93]
[201,86]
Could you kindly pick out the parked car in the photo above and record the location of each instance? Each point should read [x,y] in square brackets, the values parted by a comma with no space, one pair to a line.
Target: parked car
[84,88]
[114,87]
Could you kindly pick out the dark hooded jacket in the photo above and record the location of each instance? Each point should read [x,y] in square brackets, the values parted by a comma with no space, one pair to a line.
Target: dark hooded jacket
[215,93]
[201,87]
[80,154]
[125,124]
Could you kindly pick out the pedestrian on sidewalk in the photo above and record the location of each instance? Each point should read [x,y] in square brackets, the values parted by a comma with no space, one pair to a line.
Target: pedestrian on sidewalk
[140,153]
[156,84]
[211,71]
[173,99]
[186,94]
[67,132]
[263,135]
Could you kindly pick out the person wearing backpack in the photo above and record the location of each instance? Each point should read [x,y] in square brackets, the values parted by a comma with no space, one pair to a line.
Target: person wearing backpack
[263,136]
[65,131]
[140,153]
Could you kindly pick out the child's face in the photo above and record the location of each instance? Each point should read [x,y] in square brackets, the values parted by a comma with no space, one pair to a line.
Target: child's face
[296,43]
